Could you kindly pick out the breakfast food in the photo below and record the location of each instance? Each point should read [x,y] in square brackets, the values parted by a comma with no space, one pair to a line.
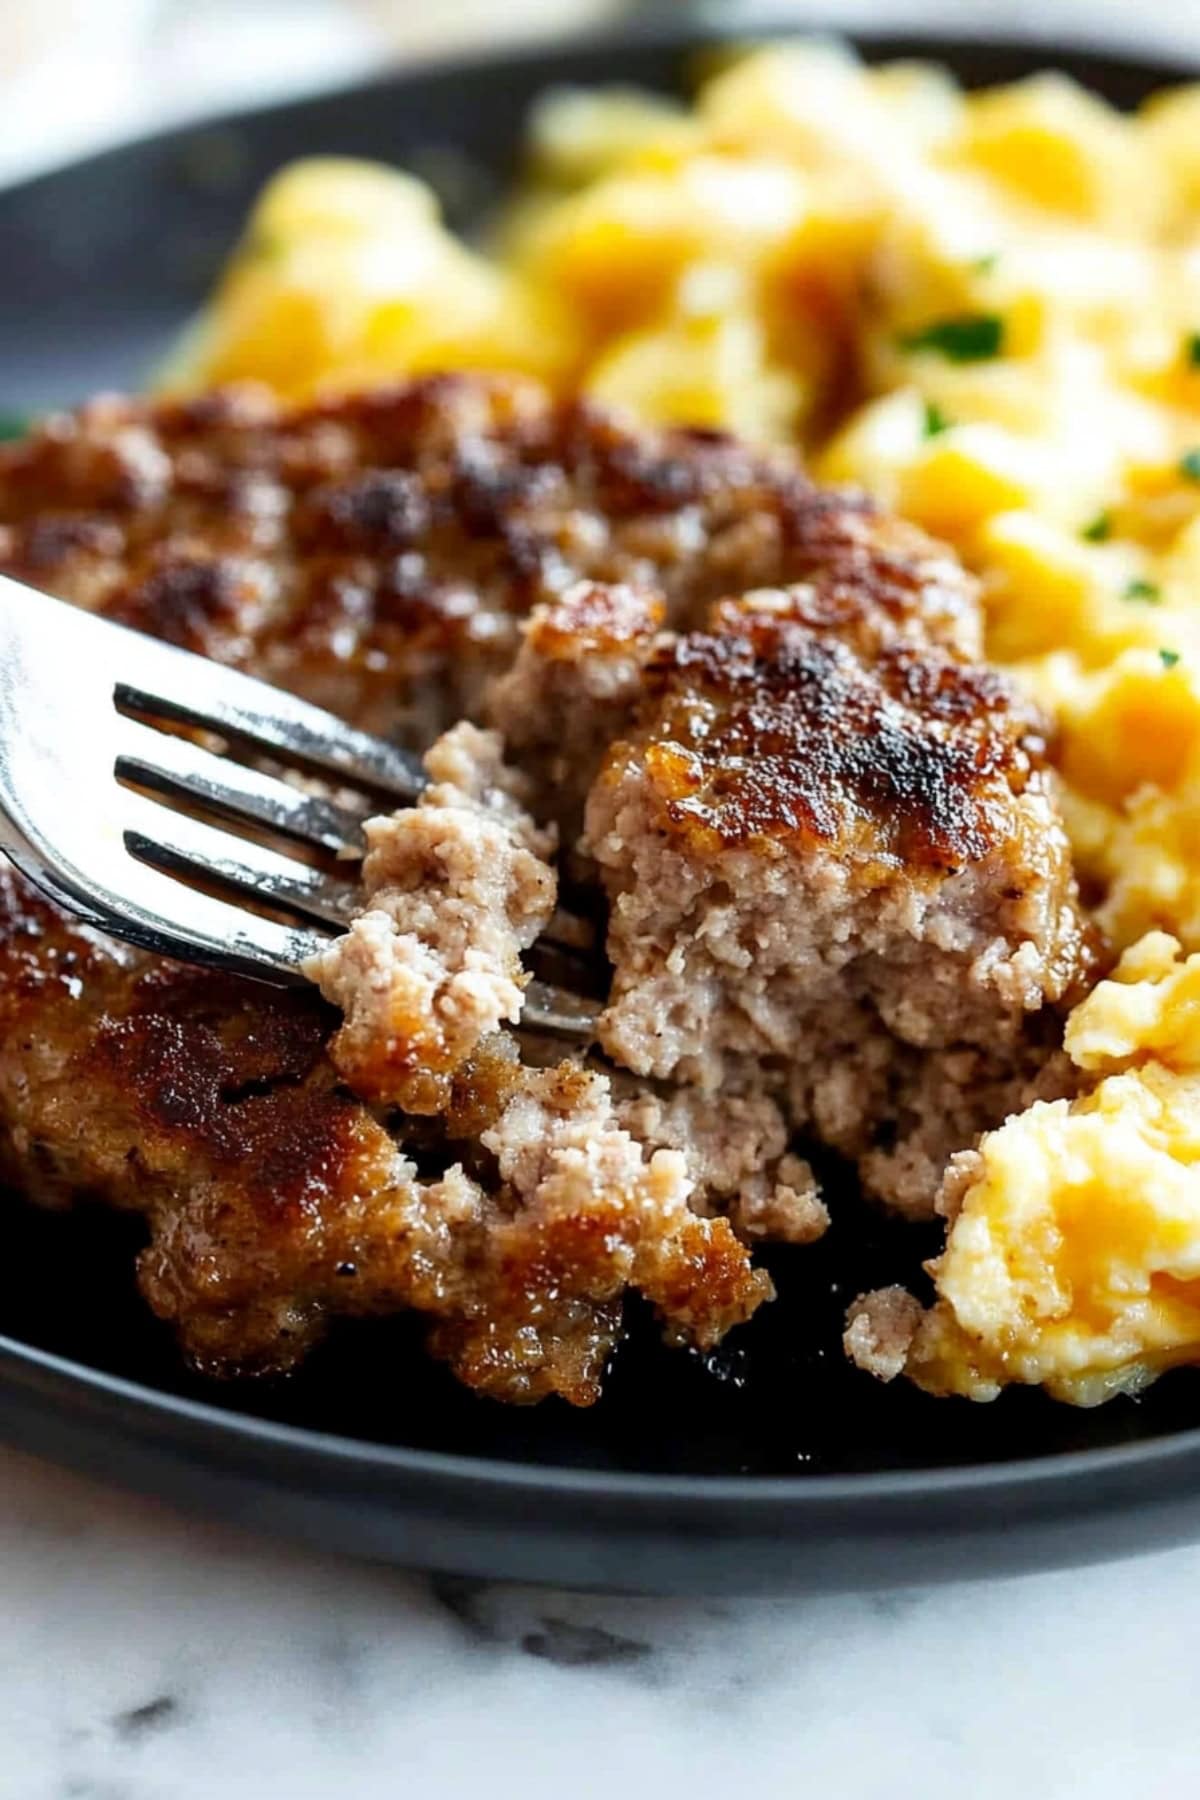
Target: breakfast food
[378,553]
[454,889]
[983,308]
[834,859]
[839,720]
[1073,1252]
[832,780]
[275,1200]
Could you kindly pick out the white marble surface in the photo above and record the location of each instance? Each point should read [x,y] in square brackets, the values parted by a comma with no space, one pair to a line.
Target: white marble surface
[145,1657]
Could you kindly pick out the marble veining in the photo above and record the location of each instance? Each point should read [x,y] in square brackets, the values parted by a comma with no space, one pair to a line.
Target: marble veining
[144,1656]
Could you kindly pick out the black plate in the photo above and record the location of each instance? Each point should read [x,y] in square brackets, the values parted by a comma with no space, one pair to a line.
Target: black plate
[771,1465]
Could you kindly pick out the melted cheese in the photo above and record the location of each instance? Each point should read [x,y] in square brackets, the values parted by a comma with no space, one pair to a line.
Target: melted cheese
[1073,1259]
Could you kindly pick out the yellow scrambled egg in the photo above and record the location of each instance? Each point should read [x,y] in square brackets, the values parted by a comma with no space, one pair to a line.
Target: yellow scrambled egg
[985,308]
[1074,1256]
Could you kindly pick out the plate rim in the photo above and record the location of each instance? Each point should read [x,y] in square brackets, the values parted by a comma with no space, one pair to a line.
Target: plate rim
[31,1368]
[359,1454]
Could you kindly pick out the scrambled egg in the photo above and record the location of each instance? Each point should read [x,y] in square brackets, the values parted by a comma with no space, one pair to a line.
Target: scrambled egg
[986,309]
[346,276]
[1074,1256]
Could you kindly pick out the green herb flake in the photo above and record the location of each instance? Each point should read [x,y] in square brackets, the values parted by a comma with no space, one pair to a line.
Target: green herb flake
[1099,530]
[1189,465]
[261,247]
[1143,591]
[970,337]
[13,425]
[935,420]
[983,265]
[1168,658]
[1191,349]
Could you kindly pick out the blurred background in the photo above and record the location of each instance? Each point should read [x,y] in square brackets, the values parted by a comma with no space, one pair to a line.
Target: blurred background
[77,73]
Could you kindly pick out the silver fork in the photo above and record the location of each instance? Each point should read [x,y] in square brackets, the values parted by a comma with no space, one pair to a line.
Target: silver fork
[83,706]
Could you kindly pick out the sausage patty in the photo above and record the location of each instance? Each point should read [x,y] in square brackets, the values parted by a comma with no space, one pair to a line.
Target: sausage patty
[764,688]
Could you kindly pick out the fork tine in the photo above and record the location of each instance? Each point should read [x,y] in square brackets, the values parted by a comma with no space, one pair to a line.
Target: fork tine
[170,841]
[69,827]
[214,931]
[187,846]
[179,845]
[176,767]
[559,1012]
[247,712]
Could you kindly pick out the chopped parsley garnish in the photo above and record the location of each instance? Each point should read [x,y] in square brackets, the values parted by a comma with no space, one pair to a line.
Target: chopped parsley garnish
[1168,658]
[1145,591]
[1189,465]
[12,425]
[1191,349]
[970,337]
[983,265]
[935,420]
[1100,529]
[262,246]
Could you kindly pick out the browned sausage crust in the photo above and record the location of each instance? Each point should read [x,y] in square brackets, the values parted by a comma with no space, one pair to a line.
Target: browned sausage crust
[275,1199]
[378,552]
[824,728]
[833,850]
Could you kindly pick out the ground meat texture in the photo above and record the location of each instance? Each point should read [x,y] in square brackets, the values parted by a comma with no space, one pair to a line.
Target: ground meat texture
[736,1157]
[454,889]
[824,833]
[901,1112]
[597,1215]
[781,1207]
[880,1327]
[275,1200]
[377,553]
[574,687]
[828,849]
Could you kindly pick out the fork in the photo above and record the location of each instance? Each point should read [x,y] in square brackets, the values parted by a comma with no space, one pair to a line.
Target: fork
[91,775]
